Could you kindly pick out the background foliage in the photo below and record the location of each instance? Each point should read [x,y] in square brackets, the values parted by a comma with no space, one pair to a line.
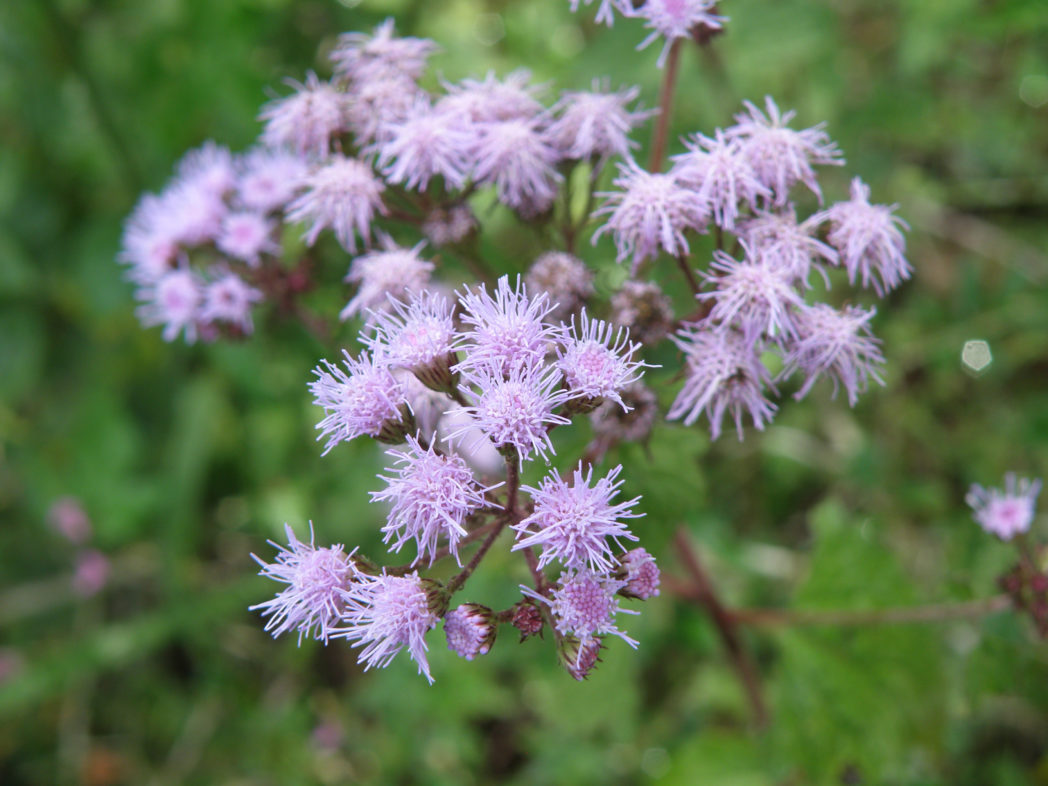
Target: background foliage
[188,458]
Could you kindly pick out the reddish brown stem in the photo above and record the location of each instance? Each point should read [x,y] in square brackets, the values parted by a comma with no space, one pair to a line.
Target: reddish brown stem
[662,126]
[703,594]
[689,274]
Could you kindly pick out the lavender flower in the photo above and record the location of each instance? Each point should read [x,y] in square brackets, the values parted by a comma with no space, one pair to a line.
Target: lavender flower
[717,169]
[838,344]
[674,19]
[384,614]
[208,169]
[151,240]
[606,10]
[779,155]
[644,309]
[754,295]
[393,272]
[1005,513]
[431,495]
[368,400]
[598,360]
[174,302]
[724,374]
[91,573]
[515,408]
[868,237]
[573,523]
[378,104]
[447,226]
[228,299]
[565,278]
[640,573]
[311,603]
[515,157]
[470,629]
[777,238]
[595,124]
[649,212]
[247,236]
[343,194]
[493,100]
[269,179]
[360,57]
[584,605]
[426,144]
[505,330]
[417,336]
[307,120]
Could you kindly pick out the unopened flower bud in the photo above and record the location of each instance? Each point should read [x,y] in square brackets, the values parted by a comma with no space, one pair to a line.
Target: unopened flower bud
[527,619]
[394,430]
[470,630]
[579,659]
[645,309]
[565,278]
[641,574]
[437,596]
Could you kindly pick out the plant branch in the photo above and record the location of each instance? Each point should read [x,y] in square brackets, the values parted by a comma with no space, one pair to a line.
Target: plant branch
[662,126]
[689,274]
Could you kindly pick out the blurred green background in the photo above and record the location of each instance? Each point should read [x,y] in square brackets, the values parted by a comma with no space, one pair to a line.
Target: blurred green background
[186,459]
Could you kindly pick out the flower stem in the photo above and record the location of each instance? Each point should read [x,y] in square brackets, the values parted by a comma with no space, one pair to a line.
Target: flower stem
[459,579]
[689,274]
[662,127]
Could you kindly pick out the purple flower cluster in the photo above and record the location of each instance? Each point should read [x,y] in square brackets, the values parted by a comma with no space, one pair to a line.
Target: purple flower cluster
[1005,513]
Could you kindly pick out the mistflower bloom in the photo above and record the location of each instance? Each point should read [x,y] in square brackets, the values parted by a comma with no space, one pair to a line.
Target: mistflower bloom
[778,239]
[717,169]
[343,194]
[506,329]
[649,211]
[492,100]
[376,104]
[194,216]
[247,236]
[307,120]
[1005,513]
[368,400]
[606,10]
[641,574]
[447,226]
[515,408]
[229,299]
[311,603]
[781,156]
[565,278]
[385,614]
[210,169]
[430,495]
[572,523]
[91,573]
[393,272]
[361,57]
[674,19]
[723,373]
[173,301]
[595,124]
[417,336]
[150,242]
[644,309]
[515,157]
[598,360]
[426,144]
[269,179]
[470,629]
[584,605]
[838,344]
[870,241]
[754,295]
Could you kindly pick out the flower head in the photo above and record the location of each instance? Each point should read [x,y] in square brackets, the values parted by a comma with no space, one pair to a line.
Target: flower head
[394,272]
[417,336]
[470,629]
[641,574]
[515,408]
[208,168]
[247,236]
[1005,513]
[717,169]
[229,299]
[779,240]
[425,144]
[385,614]
[779,155]
[584,605]
[724,373]
[595,124]
[269,179]
[650,211]
[431,495]
[505,329]
[572,523]
[491,99]
[565,278]
[361,57]
[869,238]
[343,194]
[173,301]
[311,603]
[368,400]
[377,105]
[838,344]
[644,309]
[446,226]
[673,19]
[598,360]
[307,120]
[515,157]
